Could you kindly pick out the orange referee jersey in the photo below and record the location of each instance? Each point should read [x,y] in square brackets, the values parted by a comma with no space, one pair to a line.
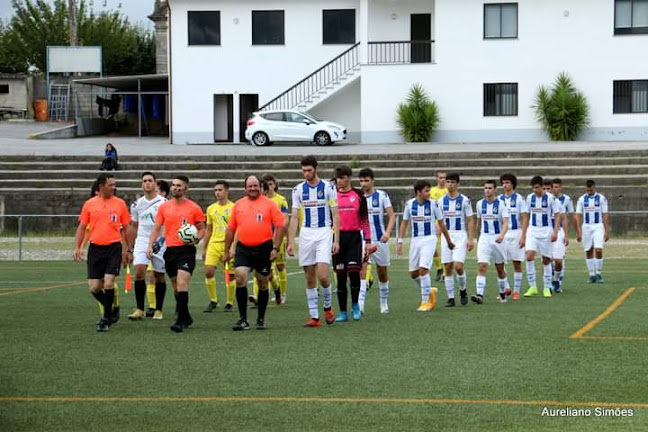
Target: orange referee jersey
[253,220]
[173,215]
[104,217]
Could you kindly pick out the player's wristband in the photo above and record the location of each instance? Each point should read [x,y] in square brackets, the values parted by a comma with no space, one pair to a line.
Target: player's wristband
[399,241]
[275,248]
[129,251]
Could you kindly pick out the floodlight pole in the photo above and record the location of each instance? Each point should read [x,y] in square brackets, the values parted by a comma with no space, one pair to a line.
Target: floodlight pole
[72,18]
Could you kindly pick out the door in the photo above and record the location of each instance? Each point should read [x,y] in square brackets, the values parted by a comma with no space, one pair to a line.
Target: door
[298,127]
[248,104]
[421,34]
[223,118]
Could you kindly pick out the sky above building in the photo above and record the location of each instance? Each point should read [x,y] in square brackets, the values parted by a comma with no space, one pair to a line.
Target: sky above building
[136,10]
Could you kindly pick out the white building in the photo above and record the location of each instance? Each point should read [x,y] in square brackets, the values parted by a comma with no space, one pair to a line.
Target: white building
[482,62]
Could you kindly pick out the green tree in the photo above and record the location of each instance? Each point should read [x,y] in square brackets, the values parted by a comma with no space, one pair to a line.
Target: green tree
[418,118]
[127,49]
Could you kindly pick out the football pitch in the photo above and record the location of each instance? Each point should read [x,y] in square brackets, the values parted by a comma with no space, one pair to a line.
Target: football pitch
[490,367]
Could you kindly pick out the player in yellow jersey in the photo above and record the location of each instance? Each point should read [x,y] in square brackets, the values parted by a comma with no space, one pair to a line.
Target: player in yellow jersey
[436,193]
[278,275]
[218,216]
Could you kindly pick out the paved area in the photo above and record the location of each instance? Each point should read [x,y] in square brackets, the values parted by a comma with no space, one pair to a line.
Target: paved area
[14,141]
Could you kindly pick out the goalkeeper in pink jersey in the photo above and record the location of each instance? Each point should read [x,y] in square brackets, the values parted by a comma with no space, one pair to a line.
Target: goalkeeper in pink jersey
[354,229]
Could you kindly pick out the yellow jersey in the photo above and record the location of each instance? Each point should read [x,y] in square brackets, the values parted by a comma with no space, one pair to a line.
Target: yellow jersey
[281,202]
[218,217]
[436,193]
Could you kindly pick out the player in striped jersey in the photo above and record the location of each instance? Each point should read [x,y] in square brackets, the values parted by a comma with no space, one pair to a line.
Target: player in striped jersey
[595,230]
[316,241]
[436,193]
[424,213]
[378,203]
[514,240]
[458,218]
[540,234]
[560,247]
[494,217]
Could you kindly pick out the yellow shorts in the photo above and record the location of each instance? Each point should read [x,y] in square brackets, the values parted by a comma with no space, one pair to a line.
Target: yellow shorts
[281,254]
[214,256]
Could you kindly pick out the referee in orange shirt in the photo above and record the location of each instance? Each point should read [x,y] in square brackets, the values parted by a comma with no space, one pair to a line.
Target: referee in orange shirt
[104,214]
[254,218]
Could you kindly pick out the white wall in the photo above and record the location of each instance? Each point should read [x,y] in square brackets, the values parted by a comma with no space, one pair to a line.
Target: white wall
[553,36]
[344,108]
[382,27]
[236,66]
[18,93]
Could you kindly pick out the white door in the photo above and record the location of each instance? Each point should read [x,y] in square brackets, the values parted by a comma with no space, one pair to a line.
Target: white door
[299,127]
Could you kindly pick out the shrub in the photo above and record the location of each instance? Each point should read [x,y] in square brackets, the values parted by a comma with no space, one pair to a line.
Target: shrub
[562,110]
[418,118]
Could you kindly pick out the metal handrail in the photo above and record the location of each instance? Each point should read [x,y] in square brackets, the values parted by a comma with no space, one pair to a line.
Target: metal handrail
[310,85]
[400,52]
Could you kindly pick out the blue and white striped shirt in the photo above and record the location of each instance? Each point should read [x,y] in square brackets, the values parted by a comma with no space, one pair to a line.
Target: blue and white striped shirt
[423,217]
[592,207]
[376,205]
[492,214]
[567,207]
[316,202]
[541,211]
[516,206]
[455,210]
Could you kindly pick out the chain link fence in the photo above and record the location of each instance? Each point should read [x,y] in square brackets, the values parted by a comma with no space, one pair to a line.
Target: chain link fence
[51,237]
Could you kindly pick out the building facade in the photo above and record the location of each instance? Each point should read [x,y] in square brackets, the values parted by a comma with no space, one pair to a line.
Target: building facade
[354,61]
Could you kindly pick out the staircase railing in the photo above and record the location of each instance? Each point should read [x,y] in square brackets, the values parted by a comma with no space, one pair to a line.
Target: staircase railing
[316,81]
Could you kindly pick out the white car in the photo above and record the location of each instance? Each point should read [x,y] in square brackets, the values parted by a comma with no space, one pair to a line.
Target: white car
[268,126]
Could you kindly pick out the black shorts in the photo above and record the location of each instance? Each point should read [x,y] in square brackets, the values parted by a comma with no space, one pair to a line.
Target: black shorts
[255,257]
[349,258]
[104,259]
[180,258]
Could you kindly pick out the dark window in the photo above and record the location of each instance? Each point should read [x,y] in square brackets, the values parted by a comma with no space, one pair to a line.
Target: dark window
[630,16]
[4,88]
[501,99]
[338,26]
[204,27]
[279,116]
[500,20]
[268,27]
[630,97]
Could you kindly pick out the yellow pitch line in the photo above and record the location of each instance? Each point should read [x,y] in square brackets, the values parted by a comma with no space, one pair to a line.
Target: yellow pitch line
[596,321]
[616,338]
[31,290]
[279,399]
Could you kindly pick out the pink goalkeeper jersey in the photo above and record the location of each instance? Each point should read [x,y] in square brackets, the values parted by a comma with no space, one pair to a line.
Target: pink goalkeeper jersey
[353,212]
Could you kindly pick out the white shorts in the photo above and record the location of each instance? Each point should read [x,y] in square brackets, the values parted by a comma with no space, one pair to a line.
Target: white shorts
[140,258]
[489,251]
[559,249]
[512,246]
[541,245]
[421,252]
[380,258]
[315,246]
[458,254]
[593,236]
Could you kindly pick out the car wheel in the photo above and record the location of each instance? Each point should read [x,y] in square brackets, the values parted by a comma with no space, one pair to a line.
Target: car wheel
[260,139]
[322,138]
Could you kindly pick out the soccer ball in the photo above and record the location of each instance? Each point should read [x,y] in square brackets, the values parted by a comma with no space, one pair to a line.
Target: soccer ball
[188,233]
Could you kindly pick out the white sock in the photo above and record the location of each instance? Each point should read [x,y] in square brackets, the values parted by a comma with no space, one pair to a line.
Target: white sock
[426,288]
[313,307]
[546,276]
[502,285]
[449,284]
[531,276]
[481,285]
[591,266]
[462,281]
[384,291]
[517,281]
[599,265]
[363,293]
[417,281]
[562,272]
[327,294]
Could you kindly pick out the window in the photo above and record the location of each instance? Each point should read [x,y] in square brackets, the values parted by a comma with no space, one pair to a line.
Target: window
[295,118]
[278,116]
[500,20]
[204,27]
[630,97]
[4,88]
[338,26]
[630,16]
[267,27]
[501,99]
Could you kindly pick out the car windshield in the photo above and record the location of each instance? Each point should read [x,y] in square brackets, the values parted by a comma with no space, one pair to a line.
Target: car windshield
[311,117]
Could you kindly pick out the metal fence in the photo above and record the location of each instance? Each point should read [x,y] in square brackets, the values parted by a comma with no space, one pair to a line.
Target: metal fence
[51,237]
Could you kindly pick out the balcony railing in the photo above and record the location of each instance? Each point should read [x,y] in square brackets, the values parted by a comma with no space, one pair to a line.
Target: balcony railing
[400,52]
